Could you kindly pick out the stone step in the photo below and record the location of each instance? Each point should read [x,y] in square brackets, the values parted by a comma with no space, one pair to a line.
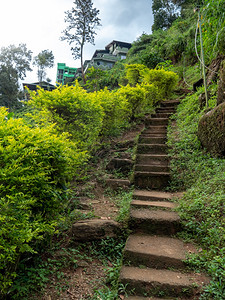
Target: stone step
[151,180]
[157,121]
[152,168]
[161,115]
[153,204]
[170,103]
[153,134]
[152,140]
[155,129]
[153,159]
[152,282]
[158,222]
[152,148]
[165,110]
[156,252]
[147,195]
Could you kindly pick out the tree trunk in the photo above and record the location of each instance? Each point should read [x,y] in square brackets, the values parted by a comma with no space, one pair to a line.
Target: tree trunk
[221,86]
[82,64]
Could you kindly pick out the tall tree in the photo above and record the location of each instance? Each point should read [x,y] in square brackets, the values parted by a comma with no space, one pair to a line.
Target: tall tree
[82,21]
[44,60]
[14,63]
[164,12]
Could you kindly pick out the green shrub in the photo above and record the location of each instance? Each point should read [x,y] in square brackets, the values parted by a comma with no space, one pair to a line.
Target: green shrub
[165,81]
[72,110]
[136,97]
[134,73]
[115,108]
[152,94]
[35,167]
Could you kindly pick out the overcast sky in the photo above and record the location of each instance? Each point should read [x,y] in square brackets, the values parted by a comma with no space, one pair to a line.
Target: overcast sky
[40,24]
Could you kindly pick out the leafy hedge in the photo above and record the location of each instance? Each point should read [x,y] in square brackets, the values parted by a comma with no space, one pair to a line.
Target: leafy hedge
[35,163]
[72,110]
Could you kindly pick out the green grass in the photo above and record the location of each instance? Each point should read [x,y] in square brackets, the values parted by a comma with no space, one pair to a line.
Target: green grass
[202,206]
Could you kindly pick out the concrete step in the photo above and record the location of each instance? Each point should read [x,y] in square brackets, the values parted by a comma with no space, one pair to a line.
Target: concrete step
[152,148]
[156,252]
[151,180]
[153,204]
[153,159]
[158,222]
[152,282]
[157,121]
[152,168]
[143,139]
[147,195]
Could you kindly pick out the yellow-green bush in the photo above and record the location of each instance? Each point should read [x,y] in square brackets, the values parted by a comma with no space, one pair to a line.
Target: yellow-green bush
[152,94]
[72,110]
[165,81]
[116,112]
[136,97]
[134,73]
[35,166]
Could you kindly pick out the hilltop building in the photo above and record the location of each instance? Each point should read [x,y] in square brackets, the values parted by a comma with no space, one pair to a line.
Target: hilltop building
[105,59]
[64,73]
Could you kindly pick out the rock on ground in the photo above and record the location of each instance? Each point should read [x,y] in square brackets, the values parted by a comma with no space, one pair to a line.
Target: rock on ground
[211,130]
[88,230]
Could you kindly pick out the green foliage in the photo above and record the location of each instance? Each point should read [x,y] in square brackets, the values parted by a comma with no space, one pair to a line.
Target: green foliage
[164,12]
[35,166]
[45,59]
[116,112]
[82,21]
[134,73]
[214,27]
[73,111]
[136,98]
[115,76]
[14,63]
[165,81]
[94,79]
[202,206]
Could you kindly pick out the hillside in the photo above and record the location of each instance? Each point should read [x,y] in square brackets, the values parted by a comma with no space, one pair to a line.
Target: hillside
[68,155]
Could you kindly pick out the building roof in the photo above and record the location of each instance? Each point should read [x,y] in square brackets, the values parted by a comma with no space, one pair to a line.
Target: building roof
[118,43]
[44,84]
[100,51]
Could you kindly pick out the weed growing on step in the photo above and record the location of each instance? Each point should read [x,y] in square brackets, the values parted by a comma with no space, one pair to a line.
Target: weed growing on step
[202,206]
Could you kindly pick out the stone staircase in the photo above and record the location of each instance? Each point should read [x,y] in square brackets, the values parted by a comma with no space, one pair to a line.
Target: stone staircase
[153,266]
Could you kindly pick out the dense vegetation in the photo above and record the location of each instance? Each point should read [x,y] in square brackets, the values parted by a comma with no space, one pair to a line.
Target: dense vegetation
[202,206]
[44,150]
[42,153]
